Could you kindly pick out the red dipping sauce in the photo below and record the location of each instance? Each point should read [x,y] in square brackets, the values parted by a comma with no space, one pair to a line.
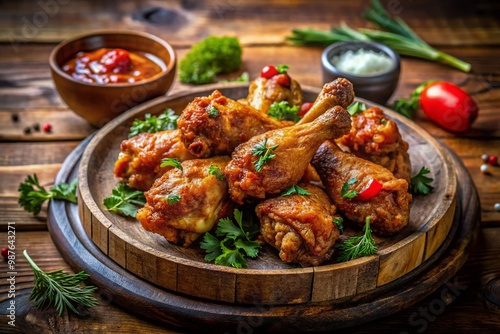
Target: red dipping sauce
[109,66]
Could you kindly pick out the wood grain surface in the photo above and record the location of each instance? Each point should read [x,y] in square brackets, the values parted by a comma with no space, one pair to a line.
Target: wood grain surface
[469,30]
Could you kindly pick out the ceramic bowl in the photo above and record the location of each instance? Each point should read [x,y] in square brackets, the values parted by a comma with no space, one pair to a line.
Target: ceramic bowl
[377,88]
[99,103]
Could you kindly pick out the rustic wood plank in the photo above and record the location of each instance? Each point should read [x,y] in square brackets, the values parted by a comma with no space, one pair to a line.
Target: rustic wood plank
[18,154]
[184,22]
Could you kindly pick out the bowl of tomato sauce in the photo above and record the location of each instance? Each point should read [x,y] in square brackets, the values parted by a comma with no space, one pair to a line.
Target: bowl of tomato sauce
[102,74]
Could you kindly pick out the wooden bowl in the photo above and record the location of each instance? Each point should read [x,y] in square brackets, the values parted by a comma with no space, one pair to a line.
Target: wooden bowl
[98,103]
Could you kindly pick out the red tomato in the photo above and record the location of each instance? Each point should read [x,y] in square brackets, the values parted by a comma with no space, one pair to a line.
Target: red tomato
[371,191]
[284,80]
[269,71]
[448,106]
[117,58]
[304,108]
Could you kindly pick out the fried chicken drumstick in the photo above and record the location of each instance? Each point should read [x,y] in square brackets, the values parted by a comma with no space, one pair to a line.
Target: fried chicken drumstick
[336,93]
[376,138]
[183,204]
[286,154]
[215,125]
[140,157]
[263,92]
[301,227]
[389,210]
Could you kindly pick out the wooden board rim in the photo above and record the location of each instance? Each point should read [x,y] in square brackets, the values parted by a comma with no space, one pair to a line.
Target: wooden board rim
[88,203]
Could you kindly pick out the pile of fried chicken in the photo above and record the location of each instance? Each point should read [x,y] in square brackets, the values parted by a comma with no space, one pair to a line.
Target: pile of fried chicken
[320,154]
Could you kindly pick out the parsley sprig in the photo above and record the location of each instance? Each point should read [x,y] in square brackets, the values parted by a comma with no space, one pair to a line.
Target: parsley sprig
[60,289]
[214,170]
[345,192]
[236,244]
[283,111]
[166,121]
[421,184]
[295,189]
[212,111]
[356,108]
[360,246]
[339,221]
[33,195]
[408,106]
[264,153]
[172,162]
[173,199]
[125,200]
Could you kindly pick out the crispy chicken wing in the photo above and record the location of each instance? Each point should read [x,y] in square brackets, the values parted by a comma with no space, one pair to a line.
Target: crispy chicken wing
[215,125]
[263,92]
[183,204]
[336,93]
[288,151]
[389,210]
[140,157]
[300,227]
[376,138]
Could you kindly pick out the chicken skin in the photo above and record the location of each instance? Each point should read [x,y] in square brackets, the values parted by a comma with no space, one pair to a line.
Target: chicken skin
[389,209]
[271,162]
[336,93]
[301,227]
[215,125]
[184,204]
[140,157]
[263,92]
[376,138]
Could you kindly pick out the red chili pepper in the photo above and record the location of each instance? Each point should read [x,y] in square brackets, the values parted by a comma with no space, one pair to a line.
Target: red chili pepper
[269,71]
[304,108]
[371,191]
[284,80]
[116,59]
[448,106]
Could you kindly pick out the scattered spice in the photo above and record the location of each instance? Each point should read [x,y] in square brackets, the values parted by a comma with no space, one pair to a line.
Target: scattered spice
[36,127]
[5,252]
[27,130]
[47,127]
[15,117]
[493,160]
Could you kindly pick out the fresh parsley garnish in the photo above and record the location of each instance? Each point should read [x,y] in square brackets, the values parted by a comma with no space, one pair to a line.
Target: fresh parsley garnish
[33,195]
[212,111]
[172,162]
[383,121]
[408,106]
[283,111]
[173,199]
[264,153]
[421,184]
[244,77]
[166,121]
[236,244]
[295,189]
[355,247]
[339,221]
[345,192]
[282,69]
[214,170]
[60,289]
[125,200]
[356,108]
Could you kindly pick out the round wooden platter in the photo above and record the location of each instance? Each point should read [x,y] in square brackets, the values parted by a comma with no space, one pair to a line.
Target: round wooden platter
[141,269]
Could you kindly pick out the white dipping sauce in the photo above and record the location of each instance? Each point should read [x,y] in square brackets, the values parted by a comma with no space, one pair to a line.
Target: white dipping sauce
[362,62]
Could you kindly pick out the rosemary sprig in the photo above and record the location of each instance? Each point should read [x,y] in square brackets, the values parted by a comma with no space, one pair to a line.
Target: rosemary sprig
[60,289]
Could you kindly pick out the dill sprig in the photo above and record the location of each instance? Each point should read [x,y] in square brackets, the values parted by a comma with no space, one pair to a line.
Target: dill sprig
[360,246]
[60,289]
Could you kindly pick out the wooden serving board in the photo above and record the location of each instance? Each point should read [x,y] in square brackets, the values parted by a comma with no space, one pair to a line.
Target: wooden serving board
[119,286]
[267,280]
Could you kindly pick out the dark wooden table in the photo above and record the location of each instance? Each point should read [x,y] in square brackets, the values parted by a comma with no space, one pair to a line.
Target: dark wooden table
[29,30]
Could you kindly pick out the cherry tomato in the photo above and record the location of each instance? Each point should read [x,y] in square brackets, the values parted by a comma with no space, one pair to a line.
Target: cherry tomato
[448,106]
[116,59]
[284,80]
[304,108]
[269,71]
[371,191]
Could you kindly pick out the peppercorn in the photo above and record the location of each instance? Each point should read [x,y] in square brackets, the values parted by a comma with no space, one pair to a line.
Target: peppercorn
[47,127]
[485,157]
[27,130]
[493,160]
[36,127]
[5,252]
[15,117]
